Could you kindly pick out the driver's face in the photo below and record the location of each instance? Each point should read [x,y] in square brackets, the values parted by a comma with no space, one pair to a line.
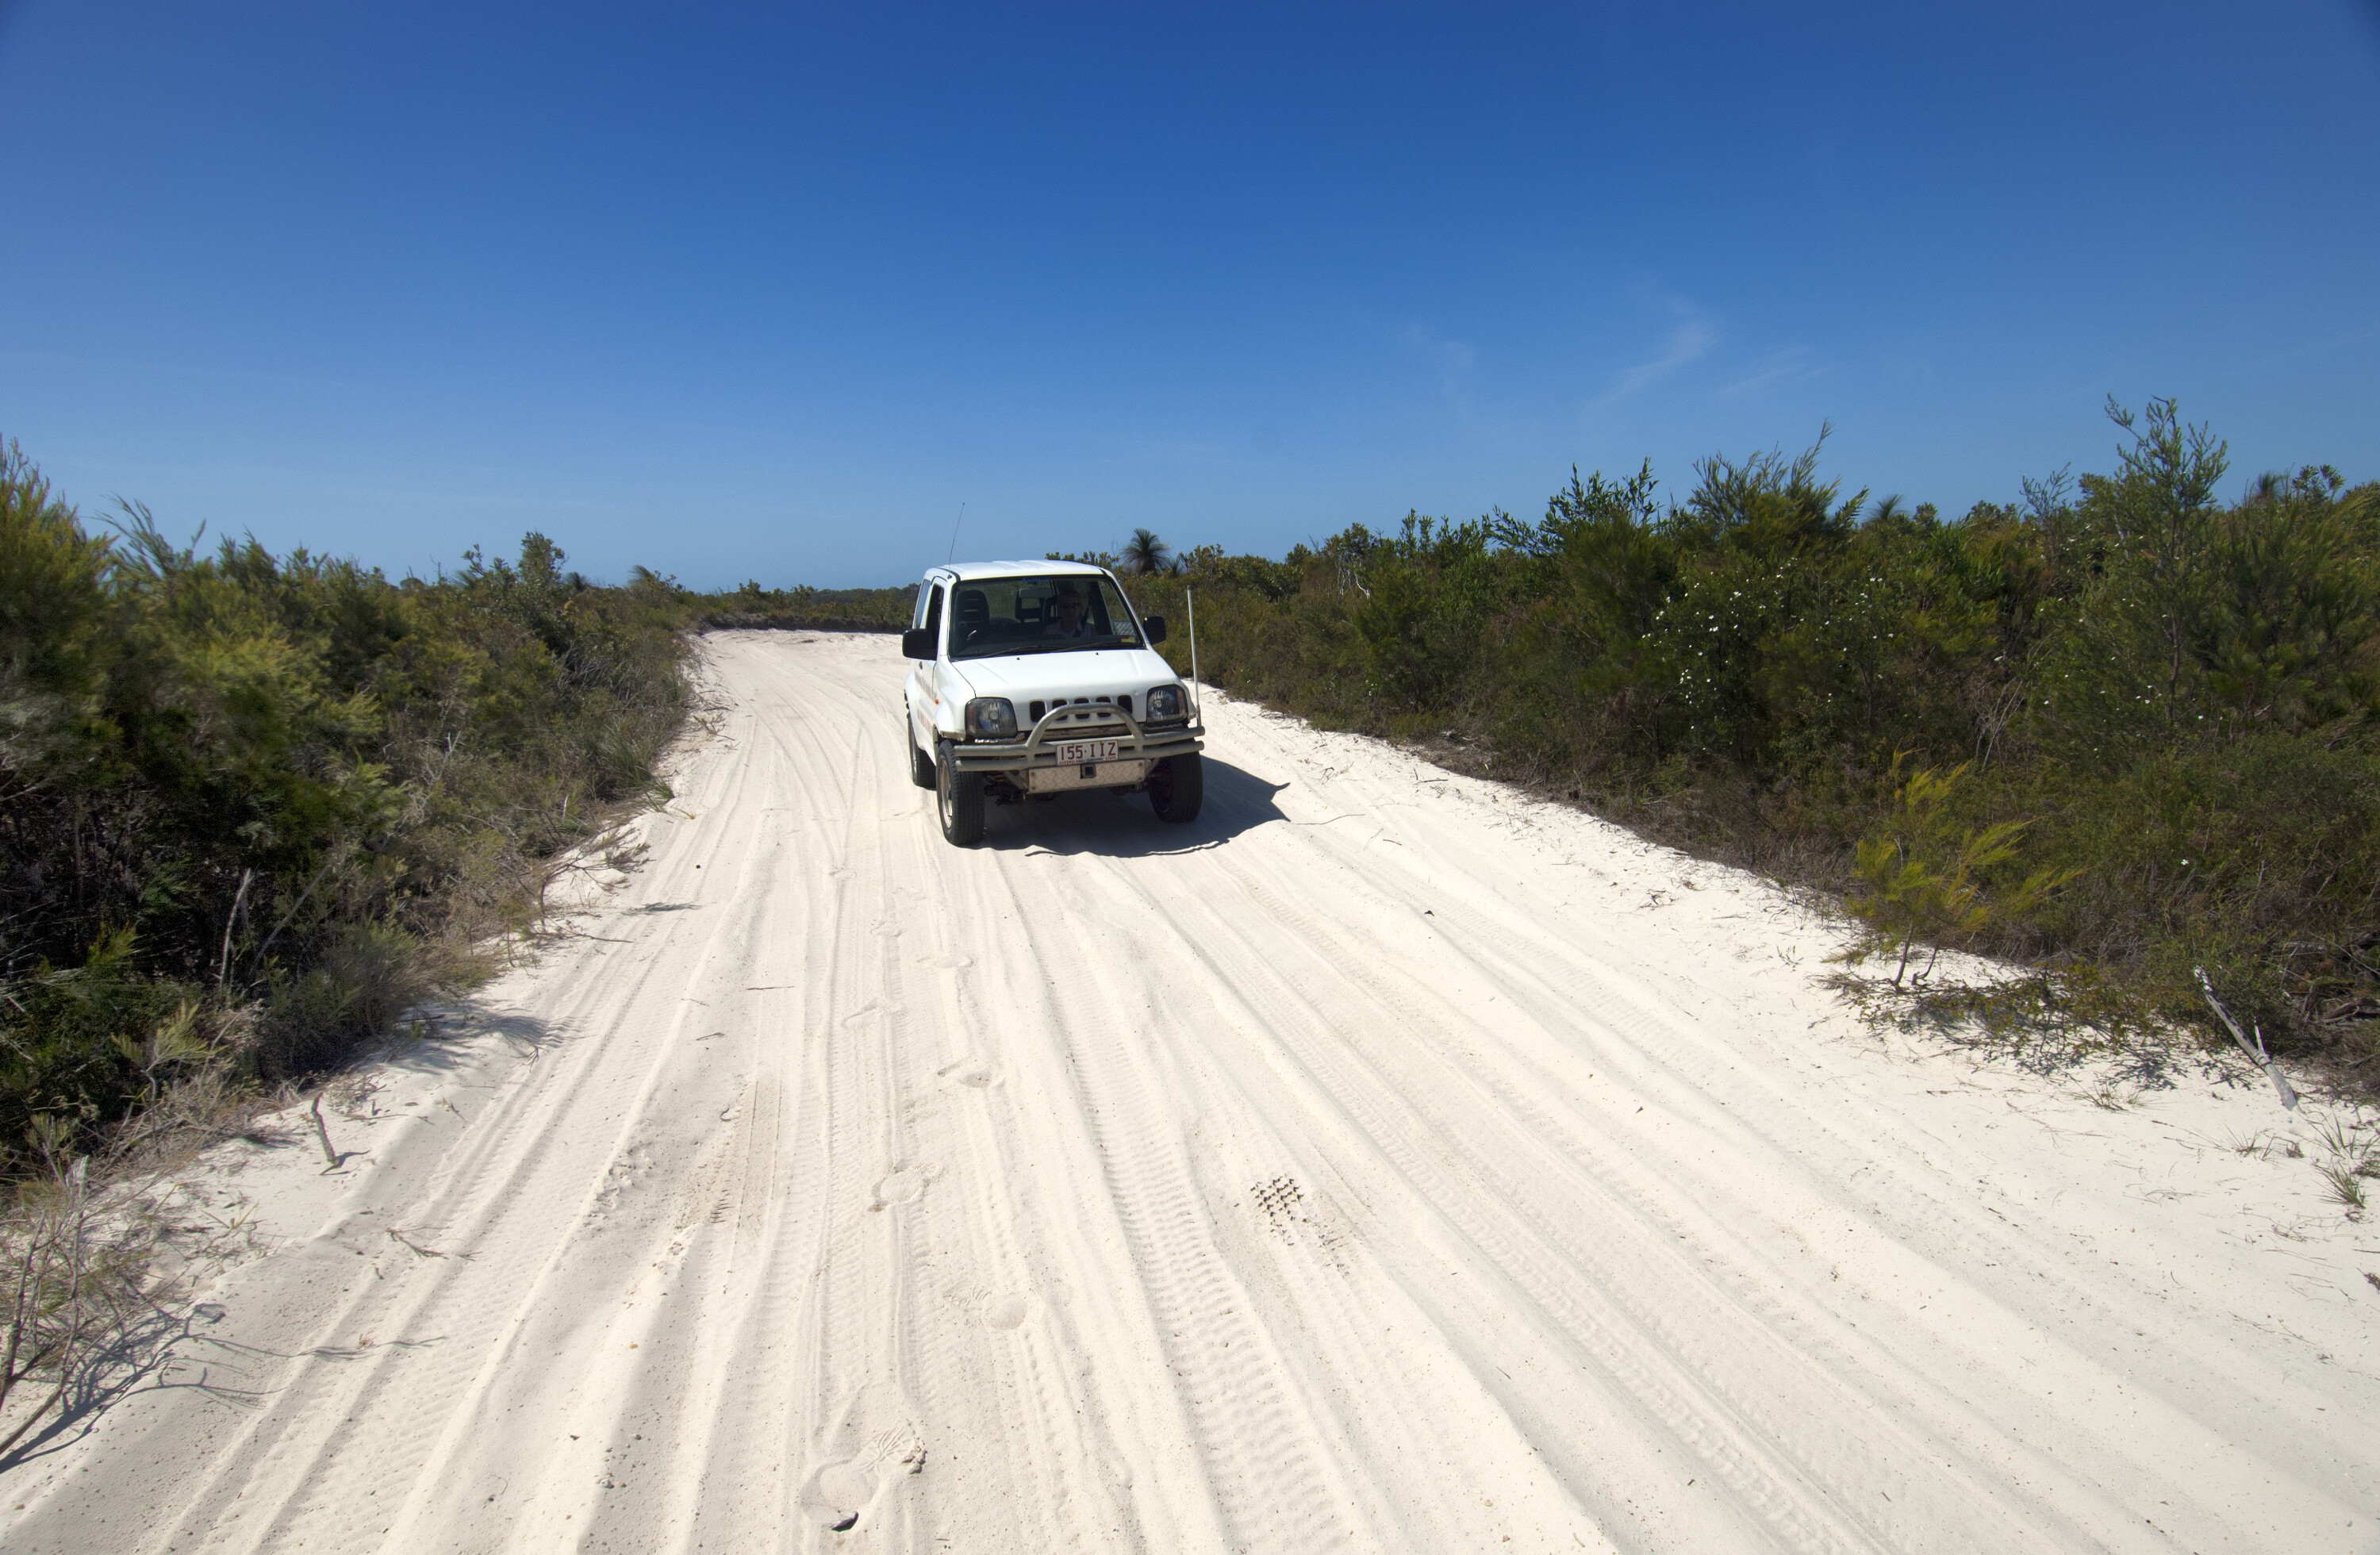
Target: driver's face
[1070,610]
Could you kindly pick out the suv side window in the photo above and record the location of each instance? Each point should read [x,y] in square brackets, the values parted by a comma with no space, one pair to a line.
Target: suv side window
[918,616]
[933,622]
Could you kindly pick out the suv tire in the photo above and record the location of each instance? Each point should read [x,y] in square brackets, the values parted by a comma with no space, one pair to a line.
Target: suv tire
[1177,788]
[921,766]
[959,798]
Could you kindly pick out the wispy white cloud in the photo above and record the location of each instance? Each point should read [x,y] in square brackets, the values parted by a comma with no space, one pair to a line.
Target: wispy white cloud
[1689,340]
[1779,366]
[1454,358]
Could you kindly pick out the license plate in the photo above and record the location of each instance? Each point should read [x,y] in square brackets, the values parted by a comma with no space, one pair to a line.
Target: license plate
[1073,753]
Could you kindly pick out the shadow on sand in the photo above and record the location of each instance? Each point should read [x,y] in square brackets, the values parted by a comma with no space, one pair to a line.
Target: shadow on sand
[183,1349]
[1123,826]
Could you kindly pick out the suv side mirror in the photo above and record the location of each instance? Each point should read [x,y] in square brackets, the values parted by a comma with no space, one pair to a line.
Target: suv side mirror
[917,642]
[1155,626]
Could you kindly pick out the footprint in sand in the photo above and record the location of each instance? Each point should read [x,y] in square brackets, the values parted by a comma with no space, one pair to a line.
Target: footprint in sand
[904,1186]
[1007,1312]
[953,963]
[973,1073]
[838,1492]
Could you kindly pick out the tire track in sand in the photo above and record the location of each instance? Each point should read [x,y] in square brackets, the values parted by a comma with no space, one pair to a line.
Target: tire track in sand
[1348,1169]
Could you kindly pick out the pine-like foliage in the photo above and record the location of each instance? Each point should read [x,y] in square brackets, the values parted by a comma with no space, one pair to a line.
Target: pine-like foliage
[2177,696]
[252,806]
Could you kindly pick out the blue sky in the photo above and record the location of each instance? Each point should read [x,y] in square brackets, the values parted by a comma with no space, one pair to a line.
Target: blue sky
[770,292]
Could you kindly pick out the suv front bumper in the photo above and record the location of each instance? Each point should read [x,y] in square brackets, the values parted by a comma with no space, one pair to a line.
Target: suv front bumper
[1032,762]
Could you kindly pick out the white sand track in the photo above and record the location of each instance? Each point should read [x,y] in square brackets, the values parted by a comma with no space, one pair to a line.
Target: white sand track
[1383,1162]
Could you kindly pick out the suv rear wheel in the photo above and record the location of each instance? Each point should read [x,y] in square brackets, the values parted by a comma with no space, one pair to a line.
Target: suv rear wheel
[1177,787]
[959,796]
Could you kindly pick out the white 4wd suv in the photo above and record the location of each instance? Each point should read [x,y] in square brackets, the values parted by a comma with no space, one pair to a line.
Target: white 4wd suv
[1036,678]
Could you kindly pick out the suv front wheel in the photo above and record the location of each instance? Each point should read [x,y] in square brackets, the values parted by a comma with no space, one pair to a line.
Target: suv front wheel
[921,768]
[1177,788]
[959,797]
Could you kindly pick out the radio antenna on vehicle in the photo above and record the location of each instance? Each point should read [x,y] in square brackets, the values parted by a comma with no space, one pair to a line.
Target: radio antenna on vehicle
[1190,602]
[955,534]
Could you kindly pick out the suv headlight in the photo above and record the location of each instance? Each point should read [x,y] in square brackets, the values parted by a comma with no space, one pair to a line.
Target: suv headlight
[1165,701]
[991,718]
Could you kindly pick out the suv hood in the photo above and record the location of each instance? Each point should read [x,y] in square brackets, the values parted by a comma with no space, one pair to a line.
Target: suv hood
[1106,672]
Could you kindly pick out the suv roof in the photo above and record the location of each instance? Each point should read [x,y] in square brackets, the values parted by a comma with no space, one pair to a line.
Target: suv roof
[962,571]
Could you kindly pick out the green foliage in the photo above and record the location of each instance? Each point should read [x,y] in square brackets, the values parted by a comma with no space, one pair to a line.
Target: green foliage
[828,609]
[1107,559]
[2128,669]
[2181,625]
[252,806]
[1145,553]
[1921,876]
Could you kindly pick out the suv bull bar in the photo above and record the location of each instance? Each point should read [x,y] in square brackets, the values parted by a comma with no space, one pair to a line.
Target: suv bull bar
[1077,721]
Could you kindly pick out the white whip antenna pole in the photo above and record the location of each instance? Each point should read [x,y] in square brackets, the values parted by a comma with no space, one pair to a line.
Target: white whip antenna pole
[955,534]
[1190,602]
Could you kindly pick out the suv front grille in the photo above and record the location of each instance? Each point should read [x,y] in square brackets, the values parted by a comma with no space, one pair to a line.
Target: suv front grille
[1038,710]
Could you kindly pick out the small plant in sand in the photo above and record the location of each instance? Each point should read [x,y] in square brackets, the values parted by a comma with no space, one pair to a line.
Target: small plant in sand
[73,1262]
[1919,876]
[2354,1155]
[2345,1188]
[175,1040]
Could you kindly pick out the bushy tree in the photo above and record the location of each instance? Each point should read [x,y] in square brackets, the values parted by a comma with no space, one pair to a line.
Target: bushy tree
[255,805]
[2175,703]
[1921,875]
[1146,554]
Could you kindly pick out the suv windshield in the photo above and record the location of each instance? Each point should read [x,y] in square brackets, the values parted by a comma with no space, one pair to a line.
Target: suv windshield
[1053,614]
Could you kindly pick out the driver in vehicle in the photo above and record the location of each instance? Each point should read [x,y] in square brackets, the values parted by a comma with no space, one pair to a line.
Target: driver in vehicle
[1067,619]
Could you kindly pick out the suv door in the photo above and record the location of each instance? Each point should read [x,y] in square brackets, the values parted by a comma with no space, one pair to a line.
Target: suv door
[922,691]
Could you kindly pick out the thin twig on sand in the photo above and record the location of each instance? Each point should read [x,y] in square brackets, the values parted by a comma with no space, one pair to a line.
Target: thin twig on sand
[322,1133]
[2256,1053]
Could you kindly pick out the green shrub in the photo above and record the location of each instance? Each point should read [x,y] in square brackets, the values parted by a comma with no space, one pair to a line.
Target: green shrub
[261,804]
[1921,876]
[2131,671]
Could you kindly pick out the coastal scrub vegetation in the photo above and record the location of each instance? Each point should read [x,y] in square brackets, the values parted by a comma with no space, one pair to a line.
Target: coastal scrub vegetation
[253,807]
[2117,729]
[804,608]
